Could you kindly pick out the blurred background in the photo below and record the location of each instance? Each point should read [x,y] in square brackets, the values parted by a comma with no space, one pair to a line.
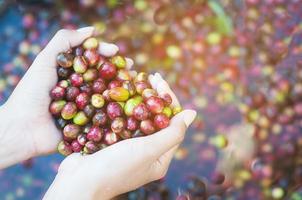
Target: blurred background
[237,62]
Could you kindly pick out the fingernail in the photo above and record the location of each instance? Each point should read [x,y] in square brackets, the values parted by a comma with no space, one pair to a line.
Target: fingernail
[129,62]
[88,29]
[107,49]
[189,116]
[158,75]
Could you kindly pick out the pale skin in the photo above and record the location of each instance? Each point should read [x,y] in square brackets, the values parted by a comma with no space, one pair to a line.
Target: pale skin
[27,130]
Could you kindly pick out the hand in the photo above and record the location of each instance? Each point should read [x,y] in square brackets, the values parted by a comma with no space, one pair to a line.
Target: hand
[27,128]
[125,165]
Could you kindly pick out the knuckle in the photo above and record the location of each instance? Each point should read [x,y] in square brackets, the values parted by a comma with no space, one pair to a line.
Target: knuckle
[161,174]
[62,33]
[69,162]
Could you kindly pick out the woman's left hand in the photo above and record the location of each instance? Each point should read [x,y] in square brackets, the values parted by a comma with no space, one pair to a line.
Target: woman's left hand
[27,128]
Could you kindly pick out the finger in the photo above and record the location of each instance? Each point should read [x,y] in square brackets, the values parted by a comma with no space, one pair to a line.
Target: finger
[163,87]
[133,73]
[129,63]
[162,141]
[152,81]
[66,39]
[107,49]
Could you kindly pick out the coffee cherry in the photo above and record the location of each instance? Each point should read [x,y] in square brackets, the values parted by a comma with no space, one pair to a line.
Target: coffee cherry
[141,112]
[147,93]
[71,131]
[82,139]
[56,107]
[114,84]
[130,105]
[76,146]
[64,148]
[107,71]
[90,75]
[161,121]
[95,134]
[176,110]
[118,125]
[97,100]
[119,94]
[91,56]
[155,104]
[106,96]
[69,111]
[86,88]
[138,98]
[79,64]
[90,147]
[57,93]
[141,86]
[89,111]
[90,43]
[123,75]
[147,127]
[125,134]
[119,61]
[110,138]
[217,178]
[82,100]
[141,77]
[63,84]
[60,123]
[76,79]
[114,110]
[64,59]
[99,86]
[128,85]
[63,73]
[182,197]
[100,118]
[80,118]
[71,93]
[167,111]
[131,124]
[166,98]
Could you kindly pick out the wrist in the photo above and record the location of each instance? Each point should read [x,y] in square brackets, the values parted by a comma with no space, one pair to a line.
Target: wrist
[73,184]
[68,188]
[14,143]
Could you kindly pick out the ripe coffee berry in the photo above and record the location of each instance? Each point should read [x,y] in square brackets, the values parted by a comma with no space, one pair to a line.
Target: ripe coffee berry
[57,93]
[98,102]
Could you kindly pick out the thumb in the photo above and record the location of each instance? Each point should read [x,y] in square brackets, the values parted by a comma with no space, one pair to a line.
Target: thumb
[162,141]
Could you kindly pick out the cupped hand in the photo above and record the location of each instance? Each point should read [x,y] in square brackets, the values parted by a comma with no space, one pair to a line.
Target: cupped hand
[124,166]
[27,128]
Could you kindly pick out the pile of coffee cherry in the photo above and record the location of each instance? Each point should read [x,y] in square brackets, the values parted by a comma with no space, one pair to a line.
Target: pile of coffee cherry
[98,102]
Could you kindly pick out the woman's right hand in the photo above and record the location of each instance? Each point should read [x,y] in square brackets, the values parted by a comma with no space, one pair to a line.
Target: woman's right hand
[124,166]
